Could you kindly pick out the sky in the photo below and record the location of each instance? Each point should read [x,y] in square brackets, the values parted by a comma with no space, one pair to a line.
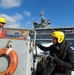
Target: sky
[22,13]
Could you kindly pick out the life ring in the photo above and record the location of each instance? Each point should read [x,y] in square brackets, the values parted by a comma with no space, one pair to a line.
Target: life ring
[13,60]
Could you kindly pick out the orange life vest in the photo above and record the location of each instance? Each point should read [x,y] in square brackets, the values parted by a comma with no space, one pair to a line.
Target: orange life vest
[3,34]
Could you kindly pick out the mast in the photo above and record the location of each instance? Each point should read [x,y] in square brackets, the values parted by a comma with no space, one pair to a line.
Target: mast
[44,23]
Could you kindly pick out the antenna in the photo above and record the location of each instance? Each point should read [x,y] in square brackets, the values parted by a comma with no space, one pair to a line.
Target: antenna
[41,13]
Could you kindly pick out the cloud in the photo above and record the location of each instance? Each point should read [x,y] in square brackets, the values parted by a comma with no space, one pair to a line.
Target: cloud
[12,21]
[17,16]
[14,25]
[28,24]
[10,3]
[27,13]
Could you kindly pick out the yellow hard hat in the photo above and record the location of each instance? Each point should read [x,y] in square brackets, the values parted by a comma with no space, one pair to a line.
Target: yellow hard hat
[59,35]
[2,20]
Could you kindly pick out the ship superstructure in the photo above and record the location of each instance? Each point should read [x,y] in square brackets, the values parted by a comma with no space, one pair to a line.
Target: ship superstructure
[44,23]
[43,30]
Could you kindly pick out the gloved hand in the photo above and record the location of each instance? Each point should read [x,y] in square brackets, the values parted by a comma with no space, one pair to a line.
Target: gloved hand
[57,60]
[50,58]
[62,63]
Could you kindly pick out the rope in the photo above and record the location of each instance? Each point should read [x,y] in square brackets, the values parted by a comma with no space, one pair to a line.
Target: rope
[7,44]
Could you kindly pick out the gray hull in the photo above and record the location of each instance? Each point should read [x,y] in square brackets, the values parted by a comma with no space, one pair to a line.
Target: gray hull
[25,59]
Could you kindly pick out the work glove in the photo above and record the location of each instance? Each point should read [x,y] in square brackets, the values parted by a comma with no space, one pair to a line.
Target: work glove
[50,58]
[62,63]
[51,62]
[58,61]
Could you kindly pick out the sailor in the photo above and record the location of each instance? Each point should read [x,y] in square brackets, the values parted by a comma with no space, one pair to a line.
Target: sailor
[2,31]
[61,53]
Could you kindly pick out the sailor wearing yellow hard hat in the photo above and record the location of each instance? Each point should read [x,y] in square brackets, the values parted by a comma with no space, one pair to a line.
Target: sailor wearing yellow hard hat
[2,23]
[60,56]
